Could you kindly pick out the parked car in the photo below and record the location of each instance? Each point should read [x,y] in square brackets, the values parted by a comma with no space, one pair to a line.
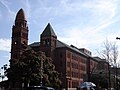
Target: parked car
[40,88]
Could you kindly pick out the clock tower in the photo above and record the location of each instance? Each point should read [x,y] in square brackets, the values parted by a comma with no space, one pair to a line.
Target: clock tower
[19,36]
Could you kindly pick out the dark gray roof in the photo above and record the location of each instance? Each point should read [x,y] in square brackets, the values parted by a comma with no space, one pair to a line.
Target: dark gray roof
[61,44]
[29,48]
[99,59]
[48,31]
[35,44]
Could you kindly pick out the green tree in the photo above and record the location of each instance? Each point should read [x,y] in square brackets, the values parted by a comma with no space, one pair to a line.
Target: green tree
[100,78]
[31,67]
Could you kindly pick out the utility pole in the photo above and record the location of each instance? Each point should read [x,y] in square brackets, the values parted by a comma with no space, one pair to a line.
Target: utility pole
[109,73]
[118,38]
[41,71]
[41,67]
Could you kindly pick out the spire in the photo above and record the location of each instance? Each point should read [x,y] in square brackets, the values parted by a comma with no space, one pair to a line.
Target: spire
[20,15]
[48,31]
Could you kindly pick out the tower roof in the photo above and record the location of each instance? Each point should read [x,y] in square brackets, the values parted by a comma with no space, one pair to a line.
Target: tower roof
[20,15]
[48,31]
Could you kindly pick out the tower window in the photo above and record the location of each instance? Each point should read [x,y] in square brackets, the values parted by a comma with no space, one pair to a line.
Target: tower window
[21,25]
[15,43]
[61,63]
[24,42]
[43,42]
[61,55]
[48,42]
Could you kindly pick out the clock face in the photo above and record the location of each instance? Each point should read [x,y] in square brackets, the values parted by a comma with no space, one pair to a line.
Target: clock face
[15,42]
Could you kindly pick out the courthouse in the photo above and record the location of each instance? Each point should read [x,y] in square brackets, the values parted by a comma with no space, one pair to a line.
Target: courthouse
[74,64]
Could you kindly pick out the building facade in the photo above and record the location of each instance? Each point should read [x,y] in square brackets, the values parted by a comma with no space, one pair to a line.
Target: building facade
[73,64]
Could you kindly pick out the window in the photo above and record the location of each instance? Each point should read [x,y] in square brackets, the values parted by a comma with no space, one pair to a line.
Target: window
[75,65]
[68,64]
[68,55]
[23,42]
[61,63]
[24,35]
[14,55]
[61,55]
[43,42]
[68,73]
[48,43]
[74,57]
[81,75]
[75,74]
[53,42]
[15,43]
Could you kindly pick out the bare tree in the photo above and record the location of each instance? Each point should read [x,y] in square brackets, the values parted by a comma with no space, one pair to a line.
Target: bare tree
[106,51]
[110,54]
[114,53]
[114,59]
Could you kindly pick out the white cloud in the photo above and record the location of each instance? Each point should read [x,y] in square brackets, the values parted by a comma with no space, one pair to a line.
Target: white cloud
[107,11]
[10,12]
[27,7]
[100,13]
[74,37]
[102,10]
[5,45]
[0,16]
[103,15]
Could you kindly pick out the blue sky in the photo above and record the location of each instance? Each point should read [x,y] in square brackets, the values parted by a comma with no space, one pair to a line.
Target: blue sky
[83,23]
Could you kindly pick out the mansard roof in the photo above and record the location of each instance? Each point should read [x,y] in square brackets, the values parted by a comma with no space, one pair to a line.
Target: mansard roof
[48,31]
[20,15]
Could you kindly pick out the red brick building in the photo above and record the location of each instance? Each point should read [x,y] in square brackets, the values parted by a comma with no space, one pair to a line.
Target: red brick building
[19,36]
[74,65]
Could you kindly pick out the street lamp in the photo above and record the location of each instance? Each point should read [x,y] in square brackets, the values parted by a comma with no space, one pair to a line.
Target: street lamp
[41,71]
[118,38]
[41,55]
